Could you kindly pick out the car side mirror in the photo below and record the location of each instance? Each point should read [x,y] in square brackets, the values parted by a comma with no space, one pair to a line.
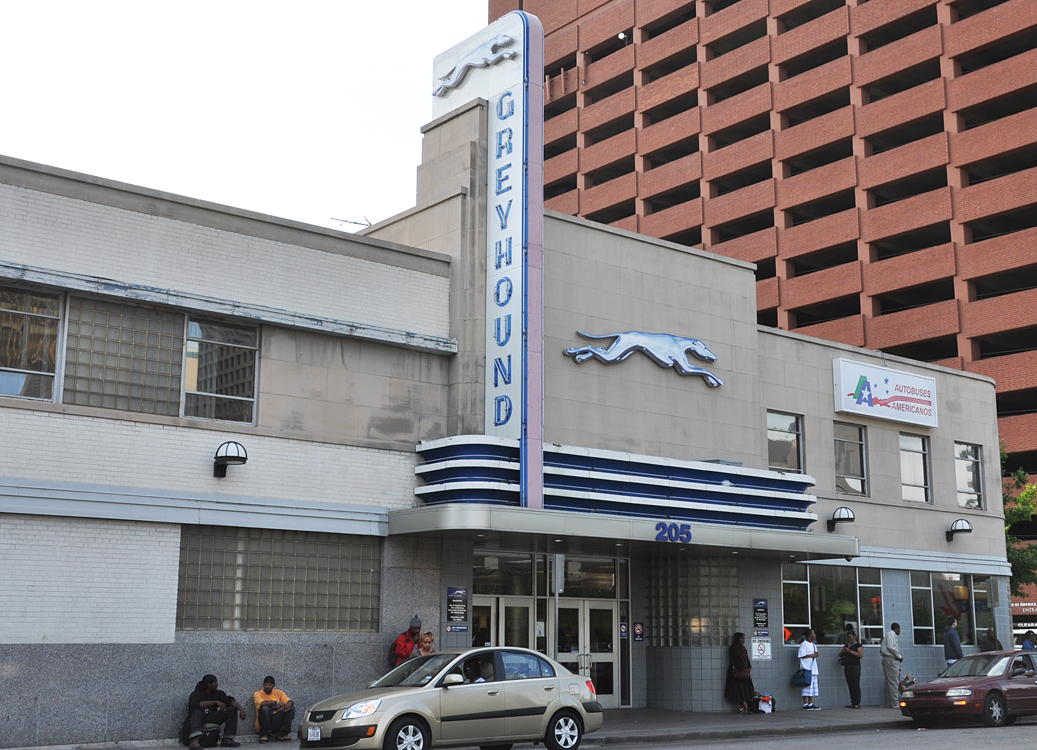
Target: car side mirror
[1029,673]
[452,679]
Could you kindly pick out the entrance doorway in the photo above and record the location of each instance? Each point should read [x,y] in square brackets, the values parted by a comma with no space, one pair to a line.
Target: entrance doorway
[588,644]
[502,621]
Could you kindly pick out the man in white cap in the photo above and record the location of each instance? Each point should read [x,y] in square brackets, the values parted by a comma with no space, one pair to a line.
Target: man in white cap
[407,641]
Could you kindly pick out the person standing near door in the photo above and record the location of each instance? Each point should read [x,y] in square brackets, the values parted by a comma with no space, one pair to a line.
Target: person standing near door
[850,657]
[739,687]
[407,641]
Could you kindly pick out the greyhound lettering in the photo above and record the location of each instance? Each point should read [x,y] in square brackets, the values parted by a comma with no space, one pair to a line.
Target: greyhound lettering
[662,348]
[482,56]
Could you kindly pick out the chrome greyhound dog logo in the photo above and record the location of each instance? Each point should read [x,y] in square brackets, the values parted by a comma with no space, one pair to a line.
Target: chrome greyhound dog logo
[482,56]
[662,348]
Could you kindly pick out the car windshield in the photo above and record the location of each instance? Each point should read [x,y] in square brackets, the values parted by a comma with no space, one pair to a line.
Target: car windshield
[415,672]
[980,665]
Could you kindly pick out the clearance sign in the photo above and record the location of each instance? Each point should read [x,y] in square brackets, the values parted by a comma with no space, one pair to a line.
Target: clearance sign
[883,393]
[504,64]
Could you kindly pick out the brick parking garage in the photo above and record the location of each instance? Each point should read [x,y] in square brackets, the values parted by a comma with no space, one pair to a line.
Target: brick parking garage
[876,159]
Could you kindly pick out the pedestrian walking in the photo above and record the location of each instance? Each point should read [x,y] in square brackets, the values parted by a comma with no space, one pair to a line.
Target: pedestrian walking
[850,657]
[808,660]
[951,642]
[891,660]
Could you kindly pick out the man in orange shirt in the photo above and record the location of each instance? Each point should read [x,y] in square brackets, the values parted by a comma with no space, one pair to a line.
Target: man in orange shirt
[274,712]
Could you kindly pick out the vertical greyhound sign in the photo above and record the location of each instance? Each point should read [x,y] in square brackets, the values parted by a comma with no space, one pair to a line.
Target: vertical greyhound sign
[504,64]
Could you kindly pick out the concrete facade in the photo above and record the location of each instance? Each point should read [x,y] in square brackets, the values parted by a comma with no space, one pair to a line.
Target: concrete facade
[874,159]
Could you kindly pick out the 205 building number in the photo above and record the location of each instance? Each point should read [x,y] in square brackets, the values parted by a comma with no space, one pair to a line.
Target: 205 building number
[672,532]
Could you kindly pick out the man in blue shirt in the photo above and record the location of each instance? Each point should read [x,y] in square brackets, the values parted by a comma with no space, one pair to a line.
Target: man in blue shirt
[1030,641]
[951,642]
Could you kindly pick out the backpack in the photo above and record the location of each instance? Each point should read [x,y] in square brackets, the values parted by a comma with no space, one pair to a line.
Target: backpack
[391,663]
[210,736]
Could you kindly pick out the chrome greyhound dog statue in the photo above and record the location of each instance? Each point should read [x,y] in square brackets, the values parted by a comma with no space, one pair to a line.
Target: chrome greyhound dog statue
[481,57]
[662,348]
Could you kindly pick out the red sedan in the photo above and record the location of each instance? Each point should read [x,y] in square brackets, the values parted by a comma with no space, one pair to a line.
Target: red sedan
[996,686]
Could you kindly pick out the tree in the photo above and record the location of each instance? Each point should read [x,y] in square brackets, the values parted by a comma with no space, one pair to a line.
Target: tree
[1019,508]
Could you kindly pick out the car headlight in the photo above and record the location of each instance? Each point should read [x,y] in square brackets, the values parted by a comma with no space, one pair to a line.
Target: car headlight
[357,710]
[908,694]
[958,692]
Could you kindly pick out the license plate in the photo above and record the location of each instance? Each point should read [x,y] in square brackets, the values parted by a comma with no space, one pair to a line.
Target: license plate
[314,734]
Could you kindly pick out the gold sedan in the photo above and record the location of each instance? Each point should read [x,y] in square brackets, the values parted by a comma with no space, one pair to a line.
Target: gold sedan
[490,697]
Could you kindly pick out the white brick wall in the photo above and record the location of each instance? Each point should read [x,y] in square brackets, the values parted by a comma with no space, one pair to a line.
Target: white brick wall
[81,581]
[98,451]
[57,233]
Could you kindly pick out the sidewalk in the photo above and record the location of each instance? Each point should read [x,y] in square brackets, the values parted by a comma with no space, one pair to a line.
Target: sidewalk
[641,726]
[650,725]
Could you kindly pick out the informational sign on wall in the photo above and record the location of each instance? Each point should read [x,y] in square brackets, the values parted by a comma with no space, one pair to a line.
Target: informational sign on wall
[882,393]
[504,65]
[456,604]
[760,615]
[760,649]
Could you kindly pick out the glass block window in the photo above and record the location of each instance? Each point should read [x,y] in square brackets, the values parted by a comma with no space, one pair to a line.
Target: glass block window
[966,470]
[268,580]
[691,601]
[914,467]
[123,357]
[221,371]
[28,343]
[850,459]
[784,443]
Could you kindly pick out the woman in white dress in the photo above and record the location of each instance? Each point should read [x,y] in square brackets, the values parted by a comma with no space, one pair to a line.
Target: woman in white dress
[808,661]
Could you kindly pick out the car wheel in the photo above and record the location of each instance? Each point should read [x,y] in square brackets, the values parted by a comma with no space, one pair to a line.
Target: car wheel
[994,714]
[564,732]
[406,734]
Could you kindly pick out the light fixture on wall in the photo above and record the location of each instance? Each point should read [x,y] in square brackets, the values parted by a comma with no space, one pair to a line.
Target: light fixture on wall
[841,515]
[960,526]
[227,454]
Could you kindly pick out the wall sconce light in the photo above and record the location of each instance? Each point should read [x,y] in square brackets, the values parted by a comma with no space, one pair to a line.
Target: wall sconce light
[961,526]
[227,454]
[841,515]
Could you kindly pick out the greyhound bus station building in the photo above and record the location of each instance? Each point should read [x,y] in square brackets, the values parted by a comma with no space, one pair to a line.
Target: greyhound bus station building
[701,474]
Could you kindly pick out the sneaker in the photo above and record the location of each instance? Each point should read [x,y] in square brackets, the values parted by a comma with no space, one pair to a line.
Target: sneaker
[230,742]
[284,737]
[812,707]
[855,706]
[807,706]
[263,738]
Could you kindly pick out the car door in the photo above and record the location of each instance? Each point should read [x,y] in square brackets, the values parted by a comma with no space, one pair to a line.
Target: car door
[475,710]
[528,692]
[1021,690]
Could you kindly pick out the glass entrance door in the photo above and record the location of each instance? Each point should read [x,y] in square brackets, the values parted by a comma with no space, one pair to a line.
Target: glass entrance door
[502,621]
[587,645]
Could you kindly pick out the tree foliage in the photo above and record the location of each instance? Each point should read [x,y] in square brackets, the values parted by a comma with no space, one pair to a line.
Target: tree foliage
[1020,503]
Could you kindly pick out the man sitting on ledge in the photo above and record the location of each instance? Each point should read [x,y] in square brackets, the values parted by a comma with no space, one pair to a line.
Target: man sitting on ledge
[274,712]
[208,705]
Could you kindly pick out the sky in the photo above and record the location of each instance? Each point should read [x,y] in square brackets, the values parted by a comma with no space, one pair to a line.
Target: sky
[306,110]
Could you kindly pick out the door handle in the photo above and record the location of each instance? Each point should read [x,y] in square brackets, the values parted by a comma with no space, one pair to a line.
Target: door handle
[549,687]
[492,692]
